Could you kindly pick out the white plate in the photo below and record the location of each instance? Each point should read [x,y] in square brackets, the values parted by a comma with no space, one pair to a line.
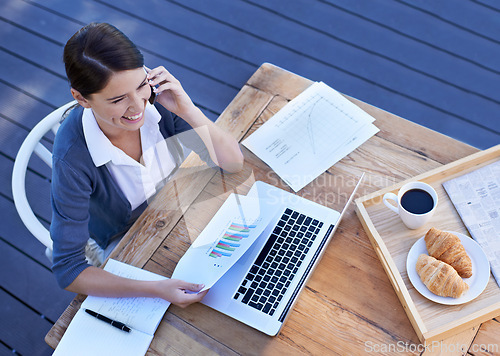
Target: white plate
[477,282]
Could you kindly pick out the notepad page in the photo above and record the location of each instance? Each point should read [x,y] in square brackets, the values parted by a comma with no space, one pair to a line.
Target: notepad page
[142,314]
[310,134]
[88,336]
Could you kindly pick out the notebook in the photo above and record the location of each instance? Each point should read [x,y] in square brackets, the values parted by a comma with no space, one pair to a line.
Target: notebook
[86,335]
[283,245]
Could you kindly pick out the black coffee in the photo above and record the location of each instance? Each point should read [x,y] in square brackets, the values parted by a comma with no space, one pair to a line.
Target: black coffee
[417,201]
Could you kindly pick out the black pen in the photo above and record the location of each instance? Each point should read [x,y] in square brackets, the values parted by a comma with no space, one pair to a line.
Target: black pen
[114,323]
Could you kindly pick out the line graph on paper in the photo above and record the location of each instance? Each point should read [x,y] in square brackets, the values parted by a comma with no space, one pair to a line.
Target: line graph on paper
[311,133]
[320,124]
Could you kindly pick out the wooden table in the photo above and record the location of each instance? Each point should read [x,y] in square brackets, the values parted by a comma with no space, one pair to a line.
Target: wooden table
[349,305]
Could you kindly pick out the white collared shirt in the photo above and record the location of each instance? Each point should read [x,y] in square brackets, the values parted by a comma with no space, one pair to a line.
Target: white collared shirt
[137,181]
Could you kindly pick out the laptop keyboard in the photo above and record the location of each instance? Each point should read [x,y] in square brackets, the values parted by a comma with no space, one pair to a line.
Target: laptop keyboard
[278,262]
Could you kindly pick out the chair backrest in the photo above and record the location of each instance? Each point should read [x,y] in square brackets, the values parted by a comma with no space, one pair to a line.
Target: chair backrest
[32,144]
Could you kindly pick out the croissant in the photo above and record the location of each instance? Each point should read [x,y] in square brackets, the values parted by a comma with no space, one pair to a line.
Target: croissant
[447,247]
[440,278]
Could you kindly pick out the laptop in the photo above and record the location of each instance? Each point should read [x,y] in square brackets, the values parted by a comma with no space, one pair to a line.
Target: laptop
[260,289]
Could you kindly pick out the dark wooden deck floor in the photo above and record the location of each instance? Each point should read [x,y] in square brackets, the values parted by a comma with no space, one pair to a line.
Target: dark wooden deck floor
[432,62]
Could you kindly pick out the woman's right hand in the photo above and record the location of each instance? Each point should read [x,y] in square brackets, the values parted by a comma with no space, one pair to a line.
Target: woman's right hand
[169,91]
[179,292]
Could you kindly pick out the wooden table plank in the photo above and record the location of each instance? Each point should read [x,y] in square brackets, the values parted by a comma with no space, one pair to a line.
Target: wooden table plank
[22,279]
[351,67]
[223,67]
[477,20]
[20,317]
[175,335]
[13,231]
[332,24]
[60,29]
[399,17]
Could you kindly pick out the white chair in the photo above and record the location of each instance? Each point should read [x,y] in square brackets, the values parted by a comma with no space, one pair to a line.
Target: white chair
[32,144]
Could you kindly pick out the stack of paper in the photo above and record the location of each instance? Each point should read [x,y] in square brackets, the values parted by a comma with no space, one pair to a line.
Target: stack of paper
[310,134]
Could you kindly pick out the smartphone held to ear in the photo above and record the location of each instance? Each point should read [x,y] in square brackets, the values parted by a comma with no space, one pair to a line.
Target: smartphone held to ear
[152,98]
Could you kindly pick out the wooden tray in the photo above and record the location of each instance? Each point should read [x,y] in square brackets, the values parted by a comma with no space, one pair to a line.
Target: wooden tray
[392,241]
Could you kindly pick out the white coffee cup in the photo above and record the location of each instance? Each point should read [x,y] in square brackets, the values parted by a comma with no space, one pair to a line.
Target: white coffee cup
[417,206]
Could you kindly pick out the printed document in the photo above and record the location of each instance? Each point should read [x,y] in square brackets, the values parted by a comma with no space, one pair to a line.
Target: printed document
[310,134]
[234,228]
[476,197]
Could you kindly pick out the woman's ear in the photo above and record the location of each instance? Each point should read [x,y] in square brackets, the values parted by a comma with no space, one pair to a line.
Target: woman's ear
[79,97]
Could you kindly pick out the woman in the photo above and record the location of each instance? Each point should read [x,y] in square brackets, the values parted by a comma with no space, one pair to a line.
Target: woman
[104,166]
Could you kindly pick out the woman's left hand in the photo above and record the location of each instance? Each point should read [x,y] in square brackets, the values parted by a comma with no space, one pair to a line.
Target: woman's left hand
[179,292]
[169,91]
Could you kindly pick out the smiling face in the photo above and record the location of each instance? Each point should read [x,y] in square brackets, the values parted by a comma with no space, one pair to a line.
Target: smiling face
[119,107]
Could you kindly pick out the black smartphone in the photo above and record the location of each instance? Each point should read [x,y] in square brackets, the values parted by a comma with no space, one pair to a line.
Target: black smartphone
[152,98]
